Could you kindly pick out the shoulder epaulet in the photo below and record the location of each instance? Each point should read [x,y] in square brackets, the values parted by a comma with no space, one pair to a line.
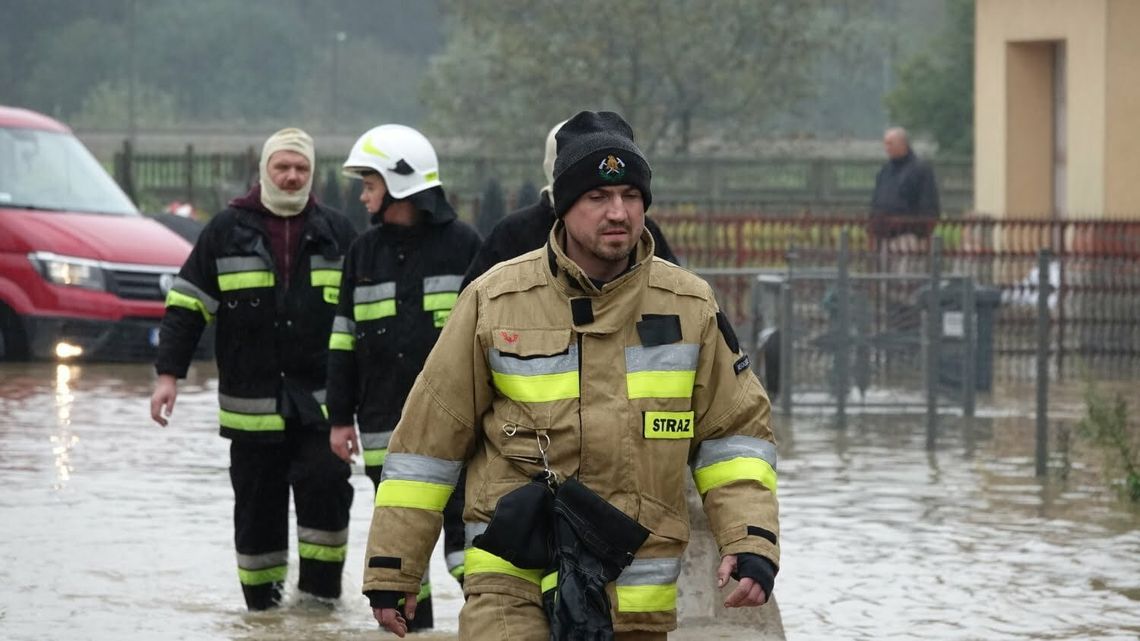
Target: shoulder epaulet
[515,275]
[665,275]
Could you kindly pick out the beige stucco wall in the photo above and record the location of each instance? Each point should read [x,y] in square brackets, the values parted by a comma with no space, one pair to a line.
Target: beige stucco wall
[1122,153]
[1083,26]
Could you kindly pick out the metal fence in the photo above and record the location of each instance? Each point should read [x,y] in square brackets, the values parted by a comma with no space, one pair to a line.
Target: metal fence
[1093,275]
[820,185]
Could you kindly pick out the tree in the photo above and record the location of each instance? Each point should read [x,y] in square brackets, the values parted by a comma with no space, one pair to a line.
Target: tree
[676,69]
[935,93]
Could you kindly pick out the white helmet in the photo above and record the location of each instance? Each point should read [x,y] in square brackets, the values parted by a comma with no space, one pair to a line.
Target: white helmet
[401,155]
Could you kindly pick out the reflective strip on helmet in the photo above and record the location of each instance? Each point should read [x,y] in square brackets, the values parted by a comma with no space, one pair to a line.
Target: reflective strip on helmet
[441,292]
[178,299]
[662,371]
[258,569]
[735,458]
[479,561]
[375,458]
[417,481]
[243,272]
[324,272]
[343,336]
[535,380]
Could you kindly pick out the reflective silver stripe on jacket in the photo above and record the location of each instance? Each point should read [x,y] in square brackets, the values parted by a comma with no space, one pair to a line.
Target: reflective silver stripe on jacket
[716,450]
[247,405]
[342,325]
[417,467]
[236,264]
[322,537]
[320,262]
[375,440]
[374,293]
[472,529]
[183,286]
[454,560]
[559,364]
[446,283]
[262,561]
[680,357]
[651,572]
[320,396]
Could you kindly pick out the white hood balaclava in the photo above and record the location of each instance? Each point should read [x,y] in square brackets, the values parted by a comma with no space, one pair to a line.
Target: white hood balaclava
[548,163]
[274,198]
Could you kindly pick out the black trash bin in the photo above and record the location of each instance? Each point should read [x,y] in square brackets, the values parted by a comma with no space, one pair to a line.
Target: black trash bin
[986,302]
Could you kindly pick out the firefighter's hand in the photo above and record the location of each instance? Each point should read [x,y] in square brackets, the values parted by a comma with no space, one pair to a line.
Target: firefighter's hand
[748,592]
[162,400]
[344,442]
[390,618]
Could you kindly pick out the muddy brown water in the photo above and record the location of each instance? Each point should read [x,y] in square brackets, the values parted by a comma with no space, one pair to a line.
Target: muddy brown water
[113,528]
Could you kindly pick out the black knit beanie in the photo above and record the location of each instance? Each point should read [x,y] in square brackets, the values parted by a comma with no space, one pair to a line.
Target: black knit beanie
[596,149]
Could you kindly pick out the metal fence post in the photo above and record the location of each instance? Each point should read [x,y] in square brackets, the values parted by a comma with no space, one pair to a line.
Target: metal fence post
[933,339]
[843,332]
[969,347]
[190,173]
[787,337]
[1043,287]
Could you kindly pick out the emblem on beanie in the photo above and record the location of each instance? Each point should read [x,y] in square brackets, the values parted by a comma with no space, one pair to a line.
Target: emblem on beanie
[612,169]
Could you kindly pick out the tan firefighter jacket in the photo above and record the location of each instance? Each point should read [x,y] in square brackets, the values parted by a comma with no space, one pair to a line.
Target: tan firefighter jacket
[629,388]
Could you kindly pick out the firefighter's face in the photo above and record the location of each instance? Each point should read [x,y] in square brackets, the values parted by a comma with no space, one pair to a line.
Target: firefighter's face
[602,228]
[289,170]
[372,194]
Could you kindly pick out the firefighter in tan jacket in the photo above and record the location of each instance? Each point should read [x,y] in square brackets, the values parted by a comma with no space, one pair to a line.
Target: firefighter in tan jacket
[590,363]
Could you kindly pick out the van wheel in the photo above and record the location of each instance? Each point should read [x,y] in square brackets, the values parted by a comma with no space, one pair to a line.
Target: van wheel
[13,343]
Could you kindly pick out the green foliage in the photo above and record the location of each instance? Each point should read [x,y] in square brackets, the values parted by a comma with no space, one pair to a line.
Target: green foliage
[935,91]
[675,69]
[105,107]
[1107,426]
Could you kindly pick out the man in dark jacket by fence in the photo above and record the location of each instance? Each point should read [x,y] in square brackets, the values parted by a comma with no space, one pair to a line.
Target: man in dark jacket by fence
[266,271]
[527,228]
[904,188]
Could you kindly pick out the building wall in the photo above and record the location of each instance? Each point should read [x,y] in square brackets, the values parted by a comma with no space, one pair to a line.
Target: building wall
[1122,153]
[1008,128]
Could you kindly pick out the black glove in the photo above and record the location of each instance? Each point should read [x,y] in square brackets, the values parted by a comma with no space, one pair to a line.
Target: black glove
[595,542]
[380,599]
[757,568]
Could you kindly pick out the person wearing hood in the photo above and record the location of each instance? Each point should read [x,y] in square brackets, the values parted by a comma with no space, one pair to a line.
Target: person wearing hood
[266,272]
[401,279]
[526,228]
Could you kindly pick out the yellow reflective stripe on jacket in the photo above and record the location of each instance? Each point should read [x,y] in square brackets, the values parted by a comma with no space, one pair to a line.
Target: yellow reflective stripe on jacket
[549,582]
[258,569]
[646,598]
[327,553]
[479,561]
[660,384]
[648,585]
[735,458]
[245,280]
[535,379]
[374,311]
[661,371]
[178,299]
[440,301]
[417,481]
[343,334]
[251,422]
[324,272]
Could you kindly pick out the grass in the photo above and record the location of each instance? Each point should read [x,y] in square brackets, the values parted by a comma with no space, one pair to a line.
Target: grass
[1106,426]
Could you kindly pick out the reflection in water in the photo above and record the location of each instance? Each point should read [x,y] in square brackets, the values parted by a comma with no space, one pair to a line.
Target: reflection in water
[63,439]
[881,539]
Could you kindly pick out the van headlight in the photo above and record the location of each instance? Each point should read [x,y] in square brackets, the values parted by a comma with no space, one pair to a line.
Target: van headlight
[69,271]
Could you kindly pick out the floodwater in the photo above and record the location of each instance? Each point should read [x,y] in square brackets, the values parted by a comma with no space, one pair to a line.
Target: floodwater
[114,528]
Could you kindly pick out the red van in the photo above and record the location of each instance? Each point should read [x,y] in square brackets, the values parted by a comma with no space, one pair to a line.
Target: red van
[83,275]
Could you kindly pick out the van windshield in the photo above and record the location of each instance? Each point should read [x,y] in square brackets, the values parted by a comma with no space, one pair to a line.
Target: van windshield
[54,171]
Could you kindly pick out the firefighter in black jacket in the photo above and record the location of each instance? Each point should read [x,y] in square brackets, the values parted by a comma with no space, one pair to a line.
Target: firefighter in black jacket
[266,270]
[527,228]
[401,279]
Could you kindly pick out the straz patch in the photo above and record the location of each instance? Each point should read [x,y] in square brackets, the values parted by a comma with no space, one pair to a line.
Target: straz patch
[668,425]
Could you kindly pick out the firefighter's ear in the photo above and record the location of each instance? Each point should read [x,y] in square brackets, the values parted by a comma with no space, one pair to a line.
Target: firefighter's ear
[727,332]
